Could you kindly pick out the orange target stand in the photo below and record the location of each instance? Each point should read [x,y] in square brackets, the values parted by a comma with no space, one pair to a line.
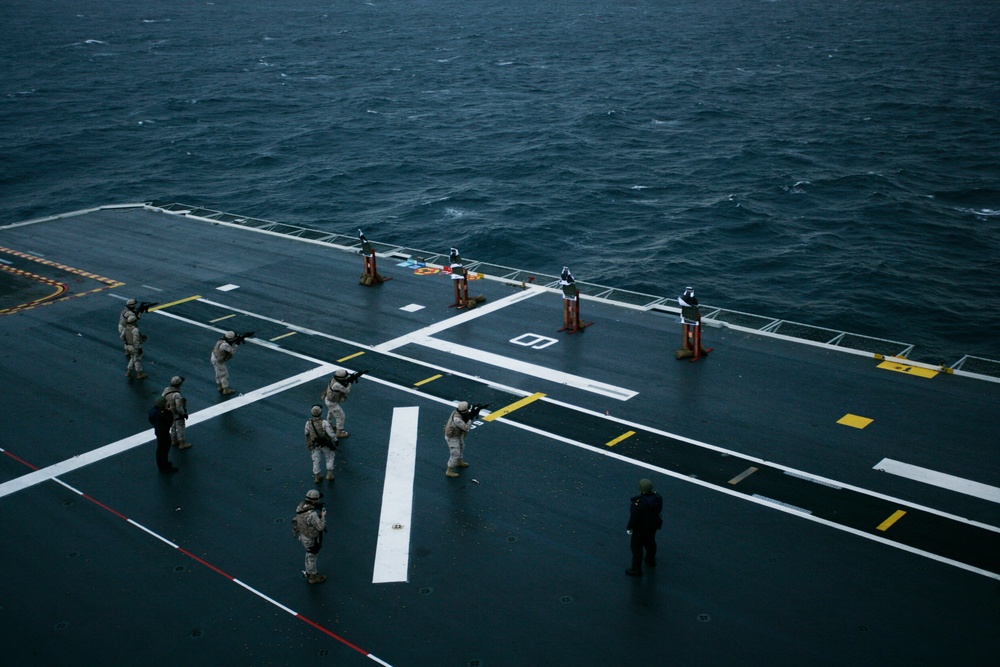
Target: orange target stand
[691,348]
[371,276]
[460,280]
[571,304]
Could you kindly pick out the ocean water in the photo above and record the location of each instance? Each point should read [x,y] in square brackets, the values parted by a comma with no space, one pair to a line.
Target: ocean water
[832,162]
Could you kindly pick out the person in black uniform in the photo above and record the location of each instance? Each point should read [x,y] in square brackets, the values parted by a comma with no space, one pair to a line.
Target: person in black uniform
[162,420]
[643,522]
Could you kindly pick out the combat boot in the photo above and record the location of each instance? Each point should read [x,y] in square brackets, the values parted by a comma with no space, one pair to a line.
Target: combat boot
[342,434]
[329,475]
[142,374]
[462,464]
[228,390]
[183,444]
[318,478]
[451,472]
[316,578]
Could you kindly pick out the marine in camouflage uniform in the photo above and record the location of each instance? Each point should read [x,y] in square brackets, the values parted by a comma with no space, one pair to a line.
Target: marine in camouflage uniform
[320,446]
[223,351]
[455,430]
[133,340]
[309,527]
[178,406]
[129,309]
[335,394]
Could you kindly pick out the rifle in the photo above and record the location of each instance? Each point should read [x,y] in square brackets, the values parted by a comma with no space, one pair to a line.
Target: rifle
[354,377]
[241,338]
[474,410]
[144,306]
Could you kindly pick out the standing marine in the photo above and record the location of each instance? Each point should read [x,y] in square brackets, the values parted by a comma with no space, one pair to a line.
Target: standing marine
[309,526]
[223,351]
[643,521]
[162,420]
[178,406]
[321,441]
[131,308]
[336,393]
[133,340]
[455,430]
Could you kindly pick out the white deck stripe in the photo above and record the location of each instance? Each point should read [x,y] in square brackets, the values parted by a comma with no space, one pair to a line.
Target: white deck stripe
[940,479]
[101,453]
[534,370]
[392,555]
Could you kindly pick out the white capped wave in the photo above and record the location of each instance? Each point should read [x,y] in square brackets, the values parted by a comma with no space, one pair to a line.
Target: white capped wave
[983,212]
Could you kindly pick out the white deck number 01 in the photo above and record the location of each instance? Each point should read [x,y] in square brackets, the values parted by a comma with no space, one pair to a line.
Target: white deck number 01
[534,341]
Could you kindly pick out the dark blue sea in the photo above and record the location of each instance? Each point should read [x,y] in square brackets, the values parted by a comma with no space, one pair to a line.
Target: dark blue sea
[832,162]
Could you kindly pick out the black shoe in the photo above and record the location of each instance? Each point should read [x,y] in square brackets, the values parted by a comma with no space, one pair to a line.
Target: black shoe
[171,468]
[633,573]
[651,562]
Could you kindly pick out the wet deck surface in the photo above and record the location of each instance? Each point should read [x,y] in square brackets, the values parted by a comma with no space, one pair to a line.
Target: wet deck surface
[771,552]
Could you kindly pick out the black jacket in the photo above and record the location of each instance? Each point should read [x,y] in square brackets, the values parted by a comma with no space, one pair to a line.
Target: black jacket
[644,512]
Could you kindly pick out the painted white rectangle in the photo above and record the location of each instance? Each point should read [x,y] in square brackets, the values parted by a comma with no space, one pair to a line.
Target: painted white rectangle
[534,370]
[412,308]
[943,480]
[392,554]
[227,288]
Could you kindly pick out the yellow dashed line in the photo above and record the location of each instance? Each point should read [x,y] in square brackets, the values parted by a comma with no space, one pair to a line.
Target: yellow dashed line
[224,317]
[350,356]
[896,516]
[517,405]
[623,436]
[179,301]
[285,335]
[743,475]
[430,379]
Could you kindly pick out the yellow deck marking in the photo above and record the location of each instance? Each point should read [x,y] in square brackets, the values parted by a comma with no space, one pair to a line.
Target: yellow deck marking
[224,317]
[743,475]
[430,379]
[626,434]
[909,370]
[61,287]
[854,420]
[516,405]
[285,335]
[896,516]
[351,356]
[174,303]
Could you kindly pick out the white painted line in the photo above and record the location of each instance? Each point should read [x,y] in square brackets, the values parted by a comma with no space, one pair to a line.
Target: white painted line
[392,554]
[266,598]
[227,288]
[156,535]
[534,370]
[464,317]
[940,479]
[412,308]
[101,453]
[785,505]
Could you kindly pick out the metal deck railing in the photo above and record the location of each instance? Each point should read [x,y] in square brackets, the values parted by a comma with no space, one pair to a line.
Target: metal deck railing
[711,315]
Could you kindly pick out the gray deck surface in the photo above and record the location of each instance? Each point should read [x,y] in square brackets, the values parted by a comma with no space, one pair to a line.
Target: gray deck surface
[524,565]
